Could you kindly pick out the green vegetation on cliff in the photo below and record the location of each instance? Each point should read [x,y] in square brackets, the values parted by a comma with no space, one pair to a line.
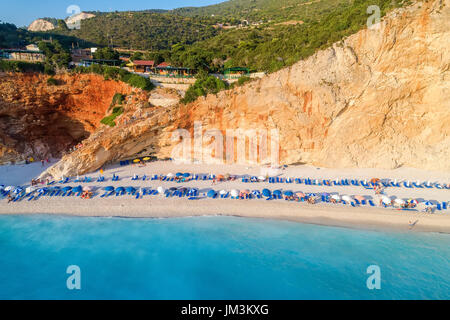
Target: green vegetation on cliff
[114,73]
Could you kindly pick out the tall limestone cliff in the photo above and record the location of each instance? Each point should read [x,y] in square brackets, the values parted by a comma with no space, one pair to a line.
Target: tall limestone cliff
[380,98]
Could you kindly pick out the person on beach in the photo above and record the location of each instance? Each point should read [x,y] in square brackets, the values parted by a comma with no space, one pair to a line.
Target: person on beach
[10,198]
[42,162]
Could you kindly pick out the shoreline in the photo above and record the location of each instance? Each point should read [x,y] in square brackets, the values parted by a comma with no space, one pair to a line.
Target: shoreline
[362,218]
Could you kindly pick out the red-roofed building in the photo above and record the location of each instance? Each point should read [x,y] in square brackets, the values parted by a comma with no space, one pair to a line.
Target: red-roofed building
[163,65]
[143,65]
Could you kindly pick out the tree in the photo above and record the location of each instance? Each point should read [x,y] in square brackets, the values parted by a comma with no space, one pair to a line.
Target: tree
[106,53]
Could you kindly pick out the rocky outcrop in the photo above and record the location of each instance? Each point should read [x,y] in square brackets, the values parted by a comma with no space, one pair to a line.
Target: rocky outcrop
[380,98]
[41,25]
[43,120]
[73,21]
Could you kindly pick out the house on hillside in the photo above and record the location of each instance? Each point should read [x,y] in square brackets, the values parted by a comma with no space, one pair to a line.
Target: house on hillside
[166,70]
[142,65]
[22,55]
[80,54]
[32,47]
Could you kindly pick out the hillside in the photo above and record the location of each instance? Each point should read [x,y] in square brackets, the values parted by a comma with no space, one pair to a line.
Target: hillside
[272,46]
[263,35]
[260,10]
[377,99]
[147,30]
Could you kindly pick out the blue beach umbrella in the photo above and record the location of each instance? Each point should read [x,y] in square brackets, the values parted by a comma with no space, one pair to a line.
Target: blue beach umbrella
[18,190]
[179,174]
[109,188]
[277,193]
[266,193]
[211,194]
[288,193]
[77,189]
[120,189]
[130,189]
[186,175]
[66,189]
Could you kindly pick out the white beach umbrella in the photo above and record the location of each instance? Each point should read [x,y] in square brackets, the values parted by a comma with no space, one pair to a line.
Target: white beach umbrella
[346,198]
[161,190]
[234,193]
[30,189]
[385,200]
[262,178]
[223,192]
[9,188]
[399,201]
[170,175]
[335,197]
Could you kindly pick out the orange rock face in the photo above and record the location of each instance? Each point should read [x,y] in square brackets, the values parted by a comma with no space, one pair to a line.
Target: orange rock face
[42,120]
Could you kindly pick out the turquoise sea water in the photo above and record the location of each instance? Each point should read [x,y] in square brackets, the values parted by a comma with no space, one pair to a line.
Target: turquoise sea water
[215,258]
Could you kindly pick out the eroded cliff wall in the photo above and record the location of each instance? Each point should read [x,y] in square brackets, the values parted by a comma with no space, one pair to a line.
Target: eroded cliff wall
[40,120]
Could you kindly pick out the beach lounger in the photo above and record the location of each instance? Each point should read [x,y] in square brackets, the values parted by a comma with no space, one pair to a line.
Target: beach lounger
[355,183]
[371,203]
[363,202]
[444,205]
[357,202]
[417,185]
[353,204]
[365,184]
[407,184]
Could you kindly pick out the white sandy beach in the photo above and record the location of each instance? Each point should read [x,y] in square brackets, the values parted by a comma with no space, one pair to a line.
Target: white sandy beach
[161,207]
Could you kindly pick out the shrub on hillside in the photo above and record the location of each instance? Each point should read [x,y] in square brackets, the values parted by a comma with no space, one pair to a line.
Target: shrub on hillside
[140,82]
[109,120]
[20,66]
[203,86]
[52,82]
